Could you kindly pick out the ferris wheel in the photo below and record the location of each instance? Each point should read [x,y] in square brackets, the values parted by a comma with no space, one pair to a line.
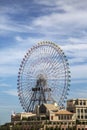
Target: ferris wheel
[43,76]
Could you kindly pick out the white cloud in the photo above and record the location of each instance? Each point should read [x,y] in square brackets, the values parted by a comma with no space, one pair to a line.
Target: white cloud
[79,71]
[80,40]
[65,5]
[78,93]
[76,52]
[10,61]
[74,47]
[64,19]
[6,71]
[63,22]
[4,85]
[12,92]
[50,25]
[53,23]
[78,81]
[10,55]
[77,60]
[11,58]
[27,42]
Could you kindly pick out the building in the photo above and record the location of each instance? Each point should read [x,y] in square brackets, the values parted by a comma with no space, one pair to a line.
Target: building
[74,116]
[22,116]
[78,106]
[54,113]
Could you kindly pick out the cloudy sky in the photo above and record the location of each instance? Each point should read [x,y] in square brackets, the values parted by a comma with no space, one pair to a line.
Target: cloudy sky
[23,23]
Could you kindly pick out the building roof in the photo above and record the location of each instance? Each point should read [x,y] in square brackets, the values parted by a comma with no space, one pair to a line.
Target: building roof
[63,112]
[51,107]
[24,114]
[77,99]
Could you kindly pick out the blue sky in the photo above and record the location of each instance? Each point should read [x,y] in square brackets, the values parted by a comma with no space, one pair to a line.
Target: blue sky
[23,23]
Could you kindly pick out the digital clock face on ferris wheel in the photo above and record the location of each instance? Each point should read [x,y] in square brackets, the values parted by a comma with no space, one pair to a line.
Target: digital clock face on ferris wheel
[43,76]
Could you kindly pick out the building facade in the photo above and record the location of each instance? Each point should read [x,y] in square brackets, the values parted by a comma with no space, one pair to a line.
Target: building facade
[74,116]
[79,107]
[22,116]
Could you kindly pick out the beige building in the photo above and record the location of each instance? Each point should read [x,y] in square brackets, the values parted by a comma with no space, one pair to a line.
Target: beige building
[22,116]
[78,106]
[74,116]
[54,113]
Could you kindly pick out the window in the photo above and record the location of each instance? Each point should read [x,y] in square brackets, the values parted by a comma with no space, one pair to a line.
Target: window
[51,117]
[64,117]
[82,110]
[72,111]
[76,102]
[65,123]
[85,110]
[73,123]
[69,123]
[67,117]
[84,103]
[78,117]
[81,117]
[70,117]
[78,110]
[59,117]
[80,102]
